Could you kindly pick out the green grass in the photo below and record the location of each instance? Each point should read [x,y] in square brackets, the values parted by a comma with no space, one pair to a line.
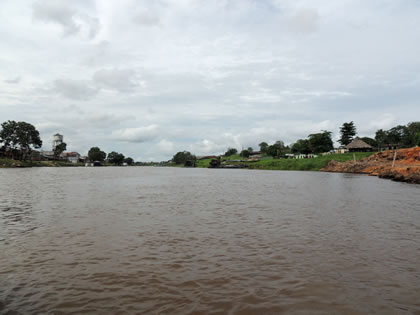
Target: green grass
[314,164]
[268,163]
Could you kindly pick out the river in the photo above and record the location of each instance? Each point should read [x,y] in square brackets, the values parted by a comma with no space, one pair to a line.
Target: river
[199,241]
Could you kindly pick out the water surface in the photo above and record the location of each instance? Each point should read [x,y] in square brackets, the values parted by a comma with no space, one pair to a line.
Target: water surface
[191,241]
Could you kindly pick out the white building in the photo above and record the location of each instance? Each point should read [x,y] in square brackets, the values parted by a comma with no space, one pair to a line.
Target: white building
[57,140]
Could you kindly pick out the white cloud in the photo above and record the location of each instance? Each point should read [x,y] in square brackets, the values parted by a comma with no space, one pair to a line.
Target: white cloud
[384,121]
[139,134]
[166,147]
[215,74]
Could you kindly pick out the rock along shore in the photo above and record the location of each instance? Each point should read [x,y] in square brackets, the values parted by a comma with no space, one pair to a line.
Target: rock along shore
[406,165]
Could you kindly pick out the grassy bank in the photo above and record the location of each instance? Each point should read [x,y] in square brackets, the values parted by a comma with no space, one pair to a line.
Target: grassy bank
[315,164]
[7,163]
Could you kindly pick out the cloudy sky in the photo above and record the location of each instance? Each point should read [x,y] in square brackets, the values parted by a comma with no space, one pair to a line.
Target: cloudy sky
[150,78]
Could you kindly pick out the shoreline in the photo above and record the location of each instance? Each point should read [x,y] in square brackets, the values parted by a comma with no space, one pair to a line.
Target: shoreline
[401,165]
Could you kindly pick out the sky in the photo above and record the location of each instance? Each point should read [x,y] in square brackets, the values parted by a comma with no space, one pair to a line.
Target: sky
[151,78]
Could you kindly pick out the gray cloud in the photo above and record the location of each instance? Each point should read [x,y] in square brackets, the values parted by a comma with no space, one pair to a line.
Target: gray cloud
[122,80]
[62,13]
[74,89]
[16,80]
[146,19]
[304,21]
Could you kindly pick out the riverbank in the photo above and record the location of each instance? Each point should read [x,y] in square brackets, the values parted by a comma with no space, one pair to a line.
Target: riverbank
[404,165]
[268,163]
[10,163]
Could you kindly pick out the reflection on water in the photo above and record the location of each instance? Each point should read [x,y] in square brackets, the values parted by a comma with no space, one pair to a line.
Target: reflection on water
[164,240]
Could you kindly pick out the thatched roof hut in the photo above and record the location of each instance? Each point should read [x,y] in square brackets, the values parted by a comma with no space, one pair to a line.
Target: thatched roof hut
[358,145]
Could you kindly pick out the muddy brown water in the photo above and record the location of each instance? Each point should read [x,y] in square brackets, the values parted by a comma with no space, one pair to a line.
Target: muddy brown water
[144,240]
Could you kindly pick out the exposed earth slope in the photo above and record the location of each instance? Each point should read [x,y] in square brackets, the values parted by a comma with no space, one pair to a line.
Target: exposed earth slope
[406,166]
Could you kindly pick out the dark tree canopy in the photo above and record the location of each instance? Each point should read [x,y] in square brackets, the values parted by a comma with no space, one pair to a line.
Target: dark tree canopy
[182,157]
[347,131]
[129,161]
[381,137]
[231,151]
[95,154]
[245,153]
[301,146]
[321,142]
[59,149]
[115,158]
[20,136]
[417,139]
[277,149]
[263,147]
[403,136]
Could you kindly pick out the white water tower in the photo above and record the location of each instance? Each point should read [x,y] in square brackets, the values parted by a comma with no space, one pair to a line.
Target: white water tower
[57,139]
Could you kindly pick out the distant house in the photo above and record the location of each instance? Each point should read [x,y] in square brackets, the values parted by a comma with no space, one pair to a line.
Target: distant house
[72,157]
[358,145]
[341,150]
[47,155]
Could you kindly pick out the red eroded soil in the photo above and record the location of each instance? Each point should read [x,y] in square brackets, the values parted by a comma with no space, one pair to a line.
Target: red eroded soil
[406,167]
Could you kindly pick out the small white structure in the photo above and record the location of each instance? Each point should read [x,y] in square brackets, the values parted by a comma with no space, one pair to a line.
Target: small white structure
[57,140]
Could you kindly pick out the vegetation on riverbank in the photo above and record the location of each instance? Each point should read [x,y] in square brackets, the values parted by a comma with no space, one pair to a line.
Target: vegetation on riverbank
[313,164]
[7,163]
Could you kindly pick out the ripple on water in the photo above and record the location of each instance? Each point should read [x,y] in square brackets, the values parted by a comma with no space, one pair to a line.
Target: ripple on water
[178,241]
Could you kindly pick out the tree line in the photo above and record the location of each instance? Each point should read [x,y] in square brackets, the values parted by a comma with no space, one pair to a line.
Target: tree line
[403,136]
[19,139]
[115,158]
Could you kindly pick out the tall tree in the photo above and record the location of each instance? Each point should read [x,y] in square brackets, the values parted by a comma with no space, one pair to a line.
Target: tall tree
[115,158]
[397,135]
[245,153]
[8,134]
[417,139]
[95,154]
[231,151]
[301,146]
[321,142]
[182,157]
[59,149]
[263,147]
[20,136]
[381,138]
[413,128]
[277,149]
[347,131]
[129,161]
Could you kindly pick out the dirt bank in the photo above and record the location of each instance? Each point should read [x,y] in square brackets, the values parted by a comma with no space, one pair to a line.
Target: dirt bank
[406,167]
